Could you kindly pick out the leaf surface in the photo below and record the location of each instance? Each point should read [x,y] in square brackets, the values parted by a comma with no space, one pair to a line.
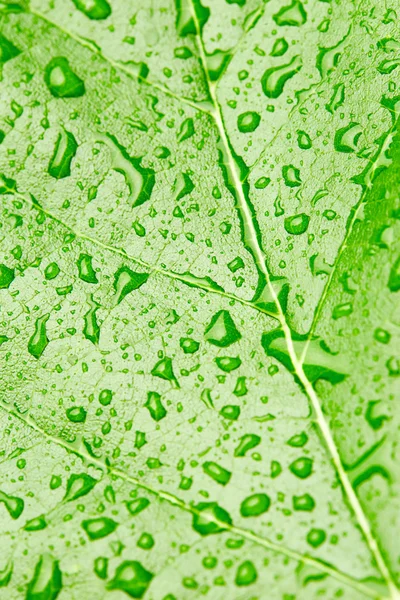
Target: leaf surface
[198,280]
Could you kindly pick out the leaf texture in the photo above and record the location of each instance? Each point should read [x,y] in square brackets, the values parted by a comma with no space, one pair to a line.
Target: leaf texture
[199,277]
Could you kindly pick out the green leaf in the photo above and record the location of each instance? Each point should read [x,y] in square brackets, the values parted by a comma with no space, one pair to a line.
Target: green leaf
[199,285]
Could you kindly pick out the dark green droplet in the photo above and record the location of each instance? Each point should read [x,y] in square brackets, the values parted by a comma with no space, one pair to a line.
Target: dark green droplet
[101,567]
[297,224]
[96,10]
[216,472]
[298,440]
[316,537]
[262,183]
[85,269]
[55,482]
[228,363]
[246,574]
[61,80]
[222,330]
[292,15]
[342,310]
[304,503]
[255,505]
[291,175]
[302,467]
[38,342]
[303,140]
[155,406]
[7,276]
[146,541]
[99,528]
[248,121]
[140,439]
[64,151]
[247,442]
[6,574]
[346,138]
[76,414]
[279,48]
[132,578]
[209,562]
[274,79]
[240,387]
[105,397]
[136,506]
[163,369]
[51,271]
[337,98]
[91,329]
[376,421]
[46,582]
[13,504]
[230,412]
[36,524]
[188,345]
[394,277]
[186,130]
[126,281]
[7,50]
[79,485]
[209,518]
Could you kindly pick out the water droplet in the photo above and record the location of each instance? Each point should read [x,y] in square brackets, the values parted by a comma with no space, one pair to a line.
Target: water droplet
[105,397]
[131,577]
[291,175]
[346,138]
[78,486]
[188,345]
[230,412]
[99,528]
[248,121]
[146,541]
[39,341]
[394,276]
[101,567]
[316,537]
[222,330]
[91,329]
[255,505]
[247,442]
[136,506]
[7,50]
[274,79]
[302,467]
[246,574]
[85,269]
[61,80]
[186,130]
[46,582]
[155,406]
[216,472]
[126,281]
[97,10]
[163,369]
[64,152]
[211,518]
[280,47]
[228,363]
[36,524]
[303,503]
[13,504]
[7,276]
[51,271]
[76,414]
